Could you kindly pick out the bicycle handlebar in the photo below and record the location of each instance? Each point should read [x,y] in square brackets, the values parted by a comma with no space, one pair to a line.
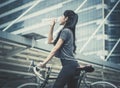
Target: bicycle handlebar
[38,73]
[37,70]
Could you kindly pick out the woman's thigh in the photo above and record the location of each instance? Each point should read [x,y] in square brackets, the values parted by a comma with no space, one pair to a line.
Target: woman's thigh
[64,76]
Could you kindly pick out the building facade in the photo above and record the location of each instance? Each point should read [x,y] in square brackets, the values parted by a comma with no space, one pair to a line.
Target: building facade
[97,37]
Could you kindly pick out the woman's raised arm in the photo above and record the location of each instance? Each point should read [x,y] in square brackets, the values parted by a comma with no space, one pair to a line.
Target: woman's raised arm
[50,34]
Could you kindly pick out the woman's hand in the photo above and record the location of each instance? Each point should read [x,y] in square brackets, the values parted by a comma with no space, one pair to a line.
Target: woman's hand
[50,34]
[52,23]
[41,64]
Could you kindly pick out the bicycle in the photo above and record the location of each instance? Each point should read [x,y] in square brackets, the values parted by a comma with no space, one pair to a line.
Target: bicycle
[81,78]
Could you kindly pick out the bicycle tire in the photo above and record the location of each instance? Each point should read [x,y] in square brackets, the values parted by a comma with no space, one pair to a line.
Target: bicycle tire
[28,85]
[102,84]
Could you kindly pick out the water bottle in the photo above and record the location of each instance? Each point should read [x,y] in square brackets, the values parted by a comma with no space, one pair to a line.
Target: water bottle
[46,20]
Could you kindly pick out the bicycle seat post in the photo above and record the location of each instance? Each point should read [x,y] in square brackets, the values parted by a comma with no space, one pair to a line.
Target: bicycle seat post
[81,77]
[84,70]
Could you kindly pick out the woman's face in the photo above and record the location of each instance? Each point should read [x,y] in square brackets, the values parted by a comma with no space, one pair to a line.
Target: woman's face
[63,20]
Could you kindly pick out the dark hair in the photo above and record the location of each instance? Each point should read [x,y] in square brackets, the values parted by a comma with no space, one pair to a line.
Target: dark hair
[70,24]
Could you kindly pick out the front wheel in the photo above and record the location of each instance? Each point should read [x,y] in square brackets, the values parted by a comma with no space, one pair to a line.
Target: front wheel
[102,84]
[28,85]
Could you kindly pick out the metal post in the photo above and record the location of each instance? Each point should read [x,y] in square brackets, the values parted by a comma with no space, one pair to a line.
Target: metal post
[80,6]
[112,49]
[90,38]
[6,28]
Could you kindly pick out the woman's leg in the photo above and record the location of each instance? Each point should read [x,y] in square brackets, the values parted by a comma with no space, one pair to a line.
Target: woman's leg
[63,77]
[72,83]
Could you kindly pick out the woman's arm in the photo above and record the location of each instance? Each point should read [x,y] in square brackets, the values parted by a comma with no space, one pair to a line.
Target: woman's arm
[50,34]
[52,53]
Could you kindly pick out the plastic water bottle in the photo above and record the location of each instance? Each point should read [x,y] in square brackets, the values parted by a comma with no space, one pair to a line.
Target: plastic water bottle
[46,20]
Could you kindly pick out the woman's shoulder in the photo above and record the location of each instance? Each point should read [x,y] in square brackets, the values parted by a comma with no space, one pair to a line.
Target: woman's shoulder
[66,30]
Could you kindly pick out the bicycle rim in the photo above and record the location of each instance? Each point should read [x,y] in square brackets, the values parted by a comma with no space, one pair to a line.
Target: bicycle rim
[102,84]
[28,85]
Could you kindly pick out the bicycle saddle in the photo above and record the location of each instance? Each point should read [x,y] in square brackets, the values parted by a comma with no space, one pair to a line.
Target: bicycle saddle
[86,68]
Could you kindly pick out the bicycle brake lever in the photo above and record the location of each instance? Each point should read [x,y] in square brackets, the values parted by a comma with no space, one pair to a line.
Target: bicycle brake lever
[31,65]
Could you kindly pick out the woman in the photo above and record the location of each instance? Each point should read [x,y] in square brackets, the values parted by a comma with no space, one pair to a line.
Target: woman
[64,48]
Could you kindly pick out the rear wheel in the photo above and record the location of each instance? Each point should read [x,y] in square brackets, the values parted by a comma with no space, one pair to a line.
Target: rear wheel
[102,84]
